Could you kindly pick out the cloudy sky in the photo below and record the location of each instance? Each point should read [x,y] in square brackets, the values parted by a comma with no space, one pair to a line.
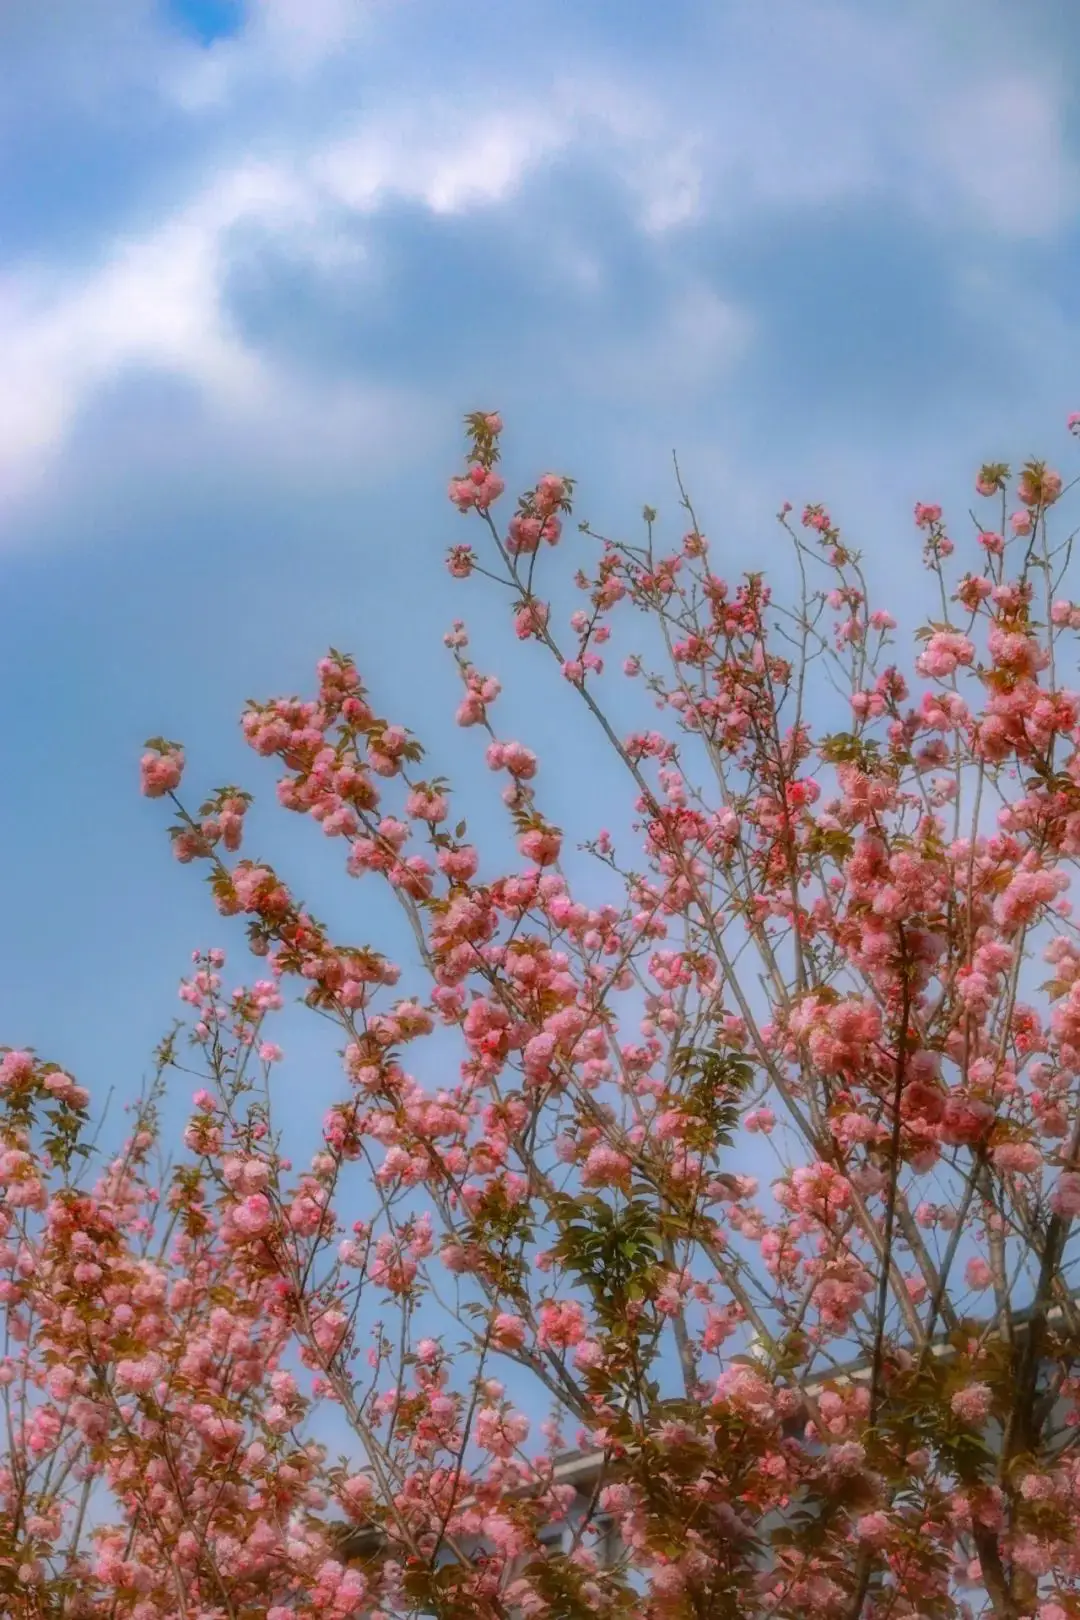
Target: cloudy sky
[257,261]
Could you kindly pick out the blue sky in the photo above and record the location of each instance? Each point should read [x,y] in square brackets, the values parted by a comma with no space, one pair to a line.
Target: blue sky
[258,260]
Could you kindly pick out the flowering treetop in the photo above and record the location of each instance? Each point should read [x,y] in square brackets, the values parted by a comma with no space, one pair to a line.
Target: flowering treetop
[840,956]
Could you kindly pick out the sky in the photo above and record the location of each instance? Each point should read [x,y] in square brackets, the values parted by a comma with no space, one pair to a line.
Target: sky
[258,258]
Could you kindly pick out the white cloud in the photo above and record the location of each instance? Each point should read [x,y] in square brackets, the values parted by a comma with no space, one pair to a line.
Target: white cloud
[787,107]
[803,103]
[283,43]
[797,104]
[1001,145]
[156,301]
[437,158]
[691,345]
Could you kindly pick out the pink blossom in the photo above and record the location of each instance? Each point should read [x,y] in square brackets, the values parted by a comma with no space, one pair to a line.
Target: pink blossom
[561,1324]
[945,652]
[873,1528]
[605,1167]
[1020,1157]
[508,1331]
[978,1273]
[1065,1198]
[542,845]
[161,771]
[972,1403]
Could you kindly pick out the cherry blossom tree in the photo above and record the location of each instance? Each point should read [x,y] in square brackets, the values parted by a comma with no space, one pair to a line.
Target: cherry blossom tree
[738,1147]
